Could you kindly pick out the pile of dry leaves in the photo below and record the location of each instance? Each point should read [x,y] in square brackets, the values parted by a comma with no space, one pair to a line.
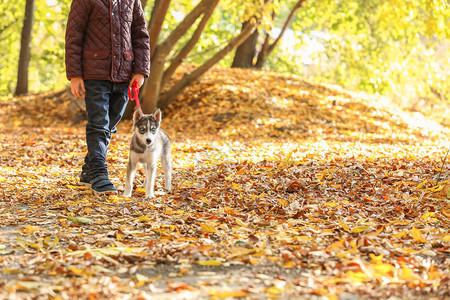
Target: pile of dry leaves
[283,188]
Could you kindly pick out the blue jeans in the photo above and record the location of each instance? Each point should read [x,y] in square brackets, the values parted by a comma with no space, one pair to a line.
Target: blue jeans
[106,102]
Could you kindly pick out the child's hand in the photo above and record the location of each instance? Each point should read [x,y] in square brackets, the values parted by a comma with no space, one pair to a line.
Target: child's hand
[139,78]
[77,87]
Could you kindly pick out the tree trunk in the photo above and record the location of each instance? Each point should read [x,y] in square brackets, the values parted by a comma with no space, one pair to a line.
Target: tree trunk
[158,15]
[152,85]
[246,52]
[187,79]
[25,48]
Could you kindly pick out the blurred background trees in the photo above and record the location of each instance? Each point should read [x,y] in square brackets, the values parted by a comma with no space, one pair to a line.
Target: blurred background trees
[394,48]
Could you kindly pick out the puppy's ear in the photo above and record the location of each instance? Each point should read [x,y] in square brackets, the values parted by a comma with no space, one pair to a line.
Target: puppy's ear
[138,114]
[157,115]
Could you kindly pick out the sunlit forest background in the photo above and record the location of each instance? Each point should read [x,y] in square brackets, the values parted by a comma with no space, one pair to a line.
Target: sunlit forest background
[398,49]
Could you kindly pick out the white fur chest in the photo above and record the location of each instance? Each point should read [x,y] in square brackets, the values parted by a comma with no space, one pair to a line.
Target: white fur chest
[151,154]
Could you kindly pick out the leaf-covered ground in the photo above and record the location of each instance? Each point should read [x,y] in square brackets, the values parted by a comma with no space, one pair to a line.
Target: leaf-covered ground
[283,188]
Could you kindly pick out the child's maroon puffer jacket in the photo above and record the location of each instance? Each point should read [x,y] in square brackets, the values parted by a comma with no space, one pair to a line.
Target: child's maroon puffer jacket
[107,40]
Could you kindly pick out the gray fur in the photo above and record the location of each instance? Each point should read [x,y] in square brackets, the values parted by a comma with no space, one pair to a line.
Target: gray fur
[148,144]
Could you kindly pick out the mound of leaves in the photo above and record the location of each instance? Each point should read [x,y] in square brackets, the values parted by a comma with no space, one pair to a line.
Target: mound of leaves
[283,188]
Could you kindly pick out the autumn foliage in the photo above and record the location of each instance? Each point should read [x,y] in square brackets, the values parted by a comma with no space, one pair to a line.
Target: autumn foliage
[282,188]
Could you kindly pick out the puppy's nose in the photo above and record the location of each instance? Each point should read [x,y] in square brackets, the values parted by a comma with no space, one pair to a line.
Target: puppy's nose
[149,141]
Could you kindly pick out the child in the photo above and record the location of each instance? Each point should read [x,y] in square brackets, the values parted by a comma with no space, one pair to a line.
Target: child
[107,49]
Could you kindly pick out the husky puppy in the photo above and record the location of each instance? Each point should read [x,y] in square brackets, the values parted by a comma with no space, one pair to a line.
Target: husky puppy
[148,144]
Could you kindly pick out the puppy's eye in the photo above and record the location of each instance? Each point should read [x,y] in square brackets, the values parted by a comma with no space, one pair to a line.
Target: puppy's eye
[142,130]
[153,129]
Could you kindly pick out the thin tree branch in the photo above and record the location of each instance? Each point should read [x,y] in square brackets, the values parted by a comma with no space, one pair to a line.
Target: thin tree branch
[168,97]
[176,62]
[167,45]
[285,26]
[267,49]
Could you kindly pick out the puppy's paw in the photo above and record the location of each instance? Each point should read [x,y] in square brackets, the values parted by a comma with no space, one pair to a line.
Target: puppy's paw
[127,194]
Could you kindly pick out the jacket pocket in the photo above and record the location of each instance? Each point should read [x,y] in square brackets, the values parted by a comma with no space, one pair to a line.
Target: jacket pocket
[128,55]
[96,54]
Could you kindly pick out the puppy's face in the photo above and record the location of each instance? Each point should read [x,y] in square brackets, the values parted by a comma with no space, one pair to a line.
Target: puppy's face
[146,126]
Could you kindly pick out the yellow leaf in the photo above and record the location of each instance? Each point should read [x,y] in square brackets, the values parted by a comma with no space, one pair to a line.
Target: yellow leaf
[400,234]
[360,229]
[288,158]
[228,294]
[344,226]
[427,215]
[417,235]
[208,228]
[240,223]
[337,246]
[144,218]
[12,271]
[236,186]
[77,188]
[422,184]
[282,202]
[446,238]
[357,276]
[76,271]
[304,238]
[211,262]
[436,188]
[241,252]
[382,269]
[115,199]
[274,290]
[30,229]
[376,259]
[407,273]
[331,204]
[332,297]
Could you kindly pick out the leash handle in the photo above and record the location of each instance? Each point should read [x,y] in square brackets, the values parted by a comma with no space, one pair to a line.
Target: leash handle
[134,90]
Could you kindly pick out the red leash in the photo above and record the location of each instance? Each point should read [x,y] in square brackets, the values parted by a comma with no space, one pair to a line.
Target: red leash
[134,89]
